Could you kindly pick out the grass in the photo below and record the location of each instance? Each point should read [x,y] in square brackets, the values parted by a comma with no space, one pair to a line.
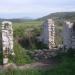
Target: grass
[1,58]
[66,67]
[19,29]
[20,55]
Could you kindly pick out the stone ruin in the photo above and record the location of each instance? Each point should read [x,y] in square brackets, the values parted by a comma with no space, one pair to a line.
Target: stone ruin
[48,33]
[69,35]
[7,40]
[51,29]
[47,37]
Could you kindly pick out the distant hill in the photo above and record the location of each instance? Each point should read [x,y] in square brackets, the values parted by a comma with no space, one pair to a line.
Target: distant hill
[16,19]
[59,15]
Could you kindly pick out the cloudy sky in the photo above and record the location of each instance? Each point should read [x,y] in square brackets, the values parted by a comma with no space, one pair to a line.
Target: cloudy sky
[33,8]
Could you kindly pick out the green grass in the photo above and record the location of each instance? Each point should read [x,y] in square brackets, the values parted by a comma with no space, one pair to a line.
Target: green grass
[1,58]
[19,29]
[20,55]
[66,67]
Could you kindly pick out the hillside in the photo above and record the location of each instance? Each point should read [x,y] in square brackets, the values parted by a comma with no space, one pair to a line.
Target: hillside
[59,15]
[16,19]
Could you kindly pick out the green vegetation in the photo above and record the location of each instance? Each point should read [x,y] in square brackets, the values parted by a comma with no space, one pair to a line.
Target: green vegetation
[21,56]
[1,58]
[65,67]
[25,34]
[20,28]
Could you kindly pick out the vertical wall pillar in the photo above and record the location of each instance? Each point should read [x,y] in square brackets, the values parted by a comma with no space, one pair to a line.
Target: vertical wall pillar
[7,40]
[51,33]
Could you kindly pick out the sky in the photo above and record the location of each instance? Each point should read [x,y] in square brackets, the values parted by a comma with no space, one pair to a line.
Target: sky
[33,8]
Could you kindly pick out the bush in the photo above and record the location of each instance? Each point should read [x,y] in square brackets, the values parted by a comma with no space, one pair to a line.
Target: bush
[71,52]
[20,55]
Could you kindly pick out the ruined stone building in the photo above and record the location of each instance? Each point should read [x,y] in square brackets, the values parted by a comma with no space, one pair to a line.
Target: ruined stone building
[69,35]
[7,40]
[48,33]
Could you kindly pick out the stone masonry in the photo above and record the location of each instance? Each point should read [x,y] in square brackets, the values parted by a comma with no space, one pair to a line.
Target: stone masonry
[48,34]
[69,35]
[7,40]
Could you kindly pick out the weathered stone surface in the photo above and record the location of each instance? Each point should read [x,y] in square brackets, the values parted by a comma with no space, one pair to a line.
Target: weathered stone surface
[5,60]
[7,40]
[10,66]
[69,35]
[48,34]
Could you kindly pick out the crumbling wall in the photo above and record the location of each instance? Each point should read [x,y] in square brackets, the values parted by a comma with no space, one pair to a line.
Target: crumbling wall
[69,35]
[48,33]
[7,40]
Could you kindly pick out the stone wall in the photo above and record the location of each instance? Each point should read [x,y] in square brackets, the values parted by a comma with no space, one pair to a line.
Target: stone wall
[69,35]
[7,40]
[48,33]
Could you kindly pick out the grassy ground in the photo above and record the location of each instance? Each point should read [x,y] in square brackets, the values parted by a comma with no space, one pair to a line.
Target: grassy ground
[66,67]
